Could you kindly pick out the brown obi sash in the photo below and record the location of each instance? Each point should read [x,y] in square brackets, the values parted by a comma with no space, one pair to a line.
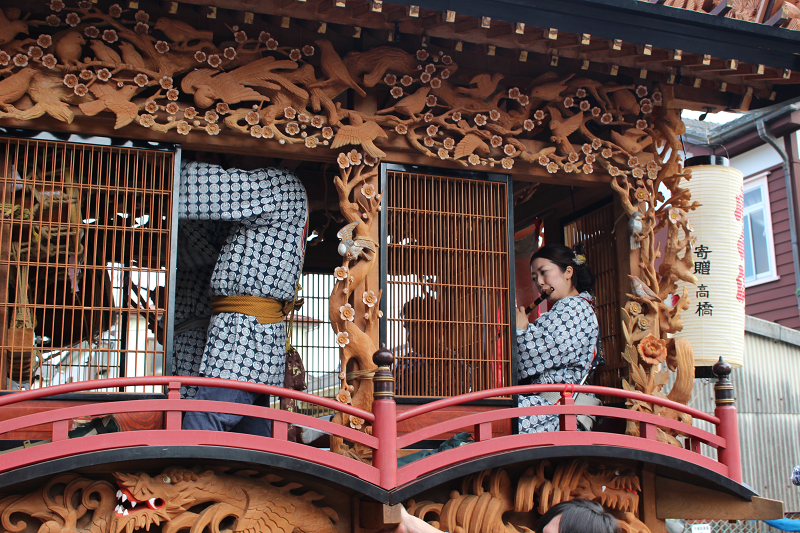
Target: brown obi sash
[265,310]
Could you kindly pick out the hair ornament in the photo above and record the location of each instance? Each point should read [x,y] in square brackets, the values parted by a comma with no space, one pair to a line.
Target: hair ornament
[579,258]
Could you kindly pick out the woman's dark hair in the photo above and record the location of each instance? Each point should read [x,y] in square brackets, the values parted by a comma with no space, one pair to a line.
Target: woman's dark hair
[563,256]
[579,516]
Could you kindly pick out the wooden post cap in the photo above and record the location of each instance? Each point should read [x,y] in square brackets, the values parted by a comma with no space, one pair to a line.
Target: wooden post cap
[383,379]
[723,389]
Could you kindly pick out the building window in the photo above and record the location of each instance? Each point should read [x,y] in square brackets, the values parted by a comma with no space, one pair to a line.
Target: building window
[759,252]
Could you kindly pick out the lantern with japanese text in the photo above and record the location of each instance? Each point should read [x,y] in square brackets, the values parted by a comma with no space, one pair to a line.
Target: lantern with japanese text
[714,322]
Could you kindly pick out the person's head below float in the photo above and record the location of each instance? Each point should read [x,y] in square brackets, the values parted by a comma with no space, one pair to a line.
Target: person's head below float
[577,516]
[558,268]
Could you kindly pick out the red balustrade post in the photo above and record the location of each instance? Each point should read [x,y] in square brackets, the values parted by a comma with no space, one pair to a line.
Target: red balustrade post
[567,422]
[728,428]
[174,417]
[385,426]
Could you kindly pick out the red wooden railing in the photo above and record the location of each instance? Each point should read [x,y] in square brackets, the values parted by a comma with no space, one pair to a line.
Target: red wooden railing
[384,418]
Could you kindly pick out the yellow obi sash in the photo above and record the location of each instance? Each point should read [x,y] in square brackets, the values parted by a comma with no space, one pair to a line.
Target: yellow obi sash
[265,310]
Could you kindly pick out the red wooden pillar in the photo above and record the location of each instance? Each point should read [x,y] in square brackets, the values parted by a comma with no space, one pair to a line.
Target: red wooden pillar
[385,426]
[728,428]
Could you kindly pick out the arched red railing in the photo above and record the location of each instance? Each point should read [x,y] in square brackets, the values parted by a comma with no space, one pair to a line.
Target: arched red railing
[384,418]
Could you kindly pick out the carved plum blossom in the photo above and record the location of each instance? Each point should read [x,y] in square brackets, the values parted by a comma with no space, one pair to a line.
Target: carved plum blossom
[354,157]
[342,339]
[343,395]
[308,50]
[212,129]
[369,298]
[147,120]
[368,190]
[184,128]
[346,312]
[356,422]
[50,61]
[340,273]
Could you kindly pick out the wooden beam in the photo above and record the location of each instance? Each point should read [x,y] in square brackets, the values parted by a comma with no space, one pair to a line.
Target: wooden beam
[780,17]
[375,515]
[677,499]
[722,8]
[647,503]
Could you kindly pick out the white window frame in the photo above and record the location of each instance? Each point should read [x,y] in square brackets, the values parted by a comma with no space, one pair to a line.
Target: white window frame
[760,181]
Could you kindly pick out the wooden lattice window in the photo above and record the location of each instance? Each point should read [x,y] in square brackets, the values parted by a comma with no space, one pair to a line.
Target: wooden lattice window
[84,261]
[594,232]
[447,283]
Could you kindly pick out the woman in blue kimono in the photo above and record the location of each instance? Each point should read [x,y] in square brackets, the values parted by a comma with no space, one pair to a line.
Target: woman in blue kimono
[560,345]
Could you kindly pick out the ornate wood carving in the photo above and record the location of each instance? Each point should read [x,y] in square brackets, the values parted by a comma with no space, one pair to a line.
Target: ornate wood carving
[178,499]
[166,75]
[354,304]
[654,309]
[485,497]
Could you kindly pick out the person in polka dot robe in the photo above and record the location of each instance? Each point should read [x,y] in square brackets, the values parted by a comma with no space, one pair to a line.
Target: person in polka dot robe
[261,257]
[560,345]
[199,243]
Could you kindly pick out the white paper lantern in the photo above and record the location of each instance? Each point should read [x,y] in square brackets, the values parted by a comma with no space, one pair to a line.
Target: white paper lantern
[714,322]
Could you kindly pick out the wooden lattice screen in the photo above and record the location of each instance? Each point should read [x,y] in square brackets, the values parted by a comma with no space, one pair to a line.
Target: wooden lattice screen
[594,232]
[447,284]
[84,260]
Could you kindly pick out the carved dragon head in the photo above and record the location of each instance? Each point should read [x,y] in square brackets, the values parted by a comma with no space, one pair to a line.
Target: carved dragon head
[615,487]
[144,500]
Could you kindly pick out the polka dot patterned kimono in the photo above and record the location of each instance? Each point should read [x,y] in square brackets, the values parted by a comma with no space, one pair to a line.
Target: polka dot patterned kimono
[262,256]
[557,348]
[199,243]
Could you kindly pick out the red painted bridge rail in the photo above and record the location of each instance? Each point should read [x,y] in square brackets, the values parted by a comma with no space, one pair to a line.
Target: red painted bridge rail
[384,419]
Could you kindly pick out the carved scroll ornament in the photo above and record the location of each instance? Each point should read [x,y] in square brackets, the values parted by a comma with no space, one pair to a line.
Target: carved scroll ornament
[485,497]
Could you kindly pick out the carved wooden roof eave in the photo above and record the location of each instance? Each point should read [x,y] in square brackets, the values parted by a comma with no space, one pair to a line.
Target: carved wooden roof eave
[725,60]
[234,144]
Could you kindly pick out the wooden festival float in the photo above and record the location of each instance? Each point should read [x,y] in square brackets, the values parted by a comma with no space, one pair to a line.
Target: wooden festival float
[426,137]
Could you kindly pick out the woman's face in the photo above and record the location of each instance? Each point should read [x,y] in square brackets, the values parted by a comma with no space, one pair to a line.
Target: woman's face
[547,274]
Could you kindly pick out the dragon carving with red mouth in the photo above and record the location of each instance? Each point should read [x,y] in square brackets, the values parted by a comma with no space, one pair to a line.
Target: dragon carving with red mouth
[177,500]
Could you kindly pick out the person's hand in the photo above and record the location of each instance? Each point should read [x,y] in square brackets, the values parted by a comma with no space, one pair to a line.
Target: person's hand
[411,524]
[522,318]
